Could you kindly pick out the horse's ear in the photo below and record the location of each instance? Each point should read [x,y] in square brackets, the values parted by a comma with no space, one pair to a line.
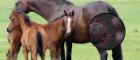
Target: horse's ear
[15,11]
[65,12]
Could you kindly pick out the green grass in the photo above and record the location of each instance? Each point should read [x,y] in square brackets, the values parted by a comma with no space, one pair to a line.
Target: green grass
[128,10]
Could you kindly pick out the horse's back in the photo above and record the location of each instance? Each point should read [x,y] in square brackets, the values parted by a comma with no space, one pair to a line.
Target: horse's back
[94,8]
[29,38]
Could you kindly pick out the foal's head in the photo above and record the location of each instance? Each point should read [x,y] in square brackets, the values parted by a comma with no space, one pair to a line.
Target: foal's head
[15,22]
[68,23]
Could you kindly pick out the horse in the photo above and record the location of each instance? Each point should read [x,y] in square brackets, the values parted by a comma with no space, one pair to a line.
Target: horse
[55,32]
[30,39]
[53,9]
[13,38]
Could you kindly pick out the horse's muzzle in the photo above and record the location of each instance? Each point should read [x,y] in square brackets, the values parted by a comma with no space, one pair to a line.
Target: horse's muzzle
[8,30]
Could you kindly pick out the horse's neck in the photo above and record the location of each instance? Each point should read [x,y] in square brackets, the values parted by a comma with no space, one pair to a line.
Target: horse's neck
[23,25]
[56,25]
[59,11]
[51,10]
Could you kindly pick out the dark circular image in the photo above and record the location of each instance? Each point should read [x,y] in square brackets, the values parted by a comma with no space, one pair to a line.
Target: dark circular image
[106,31]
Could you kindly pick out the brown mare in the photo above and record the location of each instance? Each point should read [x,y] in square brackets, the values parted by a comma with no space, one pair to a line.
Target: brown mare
[51,9]
[34,36]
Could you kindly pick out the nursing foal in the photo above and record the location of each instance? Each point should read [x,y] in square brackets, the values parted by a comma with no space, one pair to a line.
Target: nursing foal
[39,38]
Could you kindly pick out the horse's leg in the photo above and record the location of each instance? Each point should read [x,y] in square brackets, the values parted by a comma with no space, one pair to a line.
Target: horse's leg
[103,54]
[25,52]
[8,54]
[54,52]
[117,53]
[12,50]
[33,54]
[17,49]
[43,56]
[69,49]
[62,51]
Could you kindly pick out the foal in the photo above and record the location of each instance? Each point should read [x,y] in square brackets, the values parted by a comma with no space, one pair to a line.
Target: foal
[14,41]
[31,36]
[14,37]
[56,31]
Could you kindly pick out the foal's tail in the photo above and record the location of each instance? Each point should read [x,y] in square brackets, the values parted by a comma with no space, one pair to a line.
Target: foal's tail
[39,44]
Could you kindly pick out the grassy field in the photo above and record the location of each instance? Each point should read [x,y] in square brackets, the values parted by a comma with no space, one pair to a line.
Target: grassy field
[128,10]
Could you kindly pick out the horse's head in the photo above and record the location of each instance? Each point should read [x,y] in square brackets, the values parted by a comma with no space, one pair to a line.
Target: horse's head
[69,22]
[15,20]
[22,5]
[14,23]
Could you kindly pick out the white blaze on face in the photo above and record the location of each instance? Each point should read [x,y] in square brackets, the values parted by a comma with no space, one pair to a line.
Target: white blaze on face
[69,25]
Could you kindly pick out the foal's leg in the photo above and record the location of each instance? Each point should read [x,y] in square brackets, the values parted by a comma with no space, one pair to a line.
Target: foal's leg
[54,53]
[33,54]
[13,51]
[43,56]
[62,51]
[103,54]
[69,49]
[8,54]
[25,52]
[117,53]
[17,49]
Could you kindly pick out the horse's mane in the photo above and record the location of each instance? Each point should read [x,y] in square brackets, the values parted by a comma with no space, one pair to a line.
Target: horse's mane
[26,18]
[66,1]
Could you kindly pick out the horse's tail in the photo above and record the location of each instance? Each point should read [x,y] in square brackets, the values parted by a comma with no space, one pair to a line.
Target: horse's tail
[39,44]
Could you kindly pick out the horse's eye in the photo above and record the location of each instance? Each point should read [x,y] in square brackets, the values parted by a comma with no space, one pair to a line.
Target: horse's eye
[12,19]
